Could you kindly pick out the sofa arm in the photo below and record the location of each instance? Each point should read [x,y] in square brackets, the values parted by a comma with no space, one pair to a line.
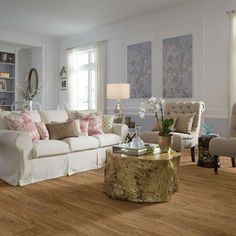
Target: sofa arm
[15,156]
[122,130]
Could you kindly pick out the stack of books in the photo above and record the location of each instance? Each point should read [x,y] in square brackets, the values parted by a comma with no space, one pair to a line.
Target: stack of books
[4,75]
[126,148]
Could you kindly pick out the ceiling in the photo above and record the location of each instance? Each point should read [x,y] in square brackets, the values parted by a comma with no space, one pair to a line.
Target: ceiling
[58,18]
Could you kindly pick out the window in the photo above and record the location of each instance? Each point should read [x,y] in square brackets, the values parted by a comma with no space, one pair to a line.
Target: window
[83,79]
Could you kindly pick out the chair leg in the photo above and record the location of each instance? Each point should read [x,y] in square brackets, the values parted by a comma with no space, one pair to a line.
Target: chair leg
[233,161]
[193,153]
[216,165]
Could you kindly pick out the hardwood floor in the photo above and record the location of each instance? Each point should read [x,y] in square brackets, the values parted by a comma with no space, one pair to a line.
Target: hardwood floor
[204,205]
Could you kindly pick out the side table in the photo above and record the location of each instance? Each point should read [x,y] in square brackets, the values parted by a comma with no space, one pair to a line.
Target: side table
[205,159]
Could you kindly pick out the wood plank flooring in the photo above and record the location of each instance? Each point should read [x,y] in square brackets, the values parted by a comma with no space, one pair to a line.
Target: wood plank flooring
[204,205]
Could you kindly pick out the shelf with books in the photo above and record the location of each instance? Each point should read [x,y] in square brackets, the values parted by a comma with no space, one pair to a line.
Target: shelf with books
[7,79]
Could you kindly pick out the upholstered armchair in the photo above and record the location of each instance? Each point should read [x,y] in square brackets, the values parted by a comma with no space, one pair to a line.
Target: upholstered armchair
[225,146]
[182,139]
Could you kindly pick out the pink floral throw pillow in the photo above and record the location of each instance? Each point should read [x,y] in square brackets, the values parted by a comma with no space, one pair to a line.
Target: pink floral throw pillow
[22,122]
[94,120]
[84,127]
[42,129]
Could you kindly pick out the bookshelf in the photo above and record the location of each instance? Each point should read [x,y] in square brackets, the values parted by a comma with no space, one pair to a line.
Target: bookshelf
[7,79]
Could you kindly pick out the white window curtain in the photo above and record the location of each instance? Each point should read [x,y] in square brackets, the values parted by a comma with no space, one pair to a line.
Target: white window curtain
[232,15]
[101,75]
[71,78]
[73,65]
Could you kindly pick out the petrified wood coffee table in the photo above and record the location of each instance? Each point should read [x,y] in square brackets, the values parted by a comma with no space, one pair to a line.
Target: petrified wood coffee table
[147,178]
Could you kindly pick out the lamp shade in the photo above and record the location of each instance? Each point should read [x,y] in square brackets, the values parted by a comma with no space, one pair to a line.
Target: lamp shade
[118,91]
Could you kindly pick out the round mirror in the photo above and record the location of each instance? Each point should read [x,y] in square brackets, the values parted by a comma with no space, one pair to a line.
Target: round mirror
[33,81]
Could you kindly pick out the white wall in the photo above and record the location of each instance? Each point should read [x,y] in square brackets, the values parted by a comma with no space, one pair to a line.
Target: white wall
[209,24]
[50,73]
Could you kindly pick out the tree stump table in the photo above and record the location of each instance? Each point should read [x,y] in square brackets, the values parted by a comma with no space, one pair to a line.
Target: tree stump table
[146,178]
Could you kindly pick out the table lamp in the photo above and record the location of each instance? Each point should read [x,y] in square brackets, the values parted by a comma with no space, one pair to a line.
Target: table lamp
[118,91]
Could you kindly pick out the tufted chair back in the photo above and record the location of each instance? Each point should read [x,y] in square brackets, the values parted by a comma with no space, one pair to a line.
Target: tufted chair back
[187,107]
[232,124]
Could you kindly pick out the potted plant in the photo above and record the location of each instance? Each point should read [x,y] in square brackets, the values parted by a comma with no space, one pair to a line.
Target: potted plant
[155,105]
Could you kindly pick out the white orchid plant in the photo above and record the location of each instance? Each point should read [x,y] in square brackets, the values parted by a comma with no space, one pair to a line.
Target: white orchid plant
[156,106]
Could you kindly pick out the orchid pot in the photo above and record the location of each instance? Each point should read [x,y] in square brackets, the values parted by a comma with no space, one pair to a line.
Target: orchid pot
[165,143]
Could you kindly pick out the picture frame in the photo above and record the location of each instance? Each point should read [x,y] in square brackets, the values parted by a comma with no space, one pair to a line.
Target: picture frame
[178,66]
[132,42]
[3,85]
[196,31]
[139,77]
[63,84]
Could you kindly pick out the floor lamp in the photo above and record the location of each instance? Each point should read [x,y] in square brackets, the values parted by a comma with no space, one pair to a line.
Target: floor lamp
[118,91]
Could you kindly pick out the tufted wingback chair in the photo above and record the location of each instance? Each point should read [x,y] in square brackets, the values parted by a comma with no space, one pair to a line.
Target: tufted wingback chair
[181,140]
[225,146]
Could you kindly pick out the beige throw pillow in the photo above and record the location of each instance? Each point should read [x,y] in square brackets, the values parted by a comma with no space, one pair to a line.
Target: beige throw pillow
[63,130]
[172,116]
[184,122]
[107,123]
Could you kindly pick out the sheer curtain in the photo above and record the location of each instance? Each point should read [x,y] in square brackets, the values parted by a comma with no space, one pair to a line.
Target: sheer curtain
[232,15]
[100,61]
[71,78]
[101,75]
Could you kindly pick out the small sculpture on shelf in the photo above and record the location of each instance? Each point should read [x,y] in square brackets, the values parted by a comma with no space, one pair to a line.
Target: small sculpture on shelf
[207,128]
[4,57]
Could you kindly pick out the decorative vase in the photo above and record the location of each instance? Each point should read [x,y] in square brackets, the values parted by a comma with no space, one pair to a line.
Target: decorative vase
[118,113]
[137,142]
[28,105]
[165,143]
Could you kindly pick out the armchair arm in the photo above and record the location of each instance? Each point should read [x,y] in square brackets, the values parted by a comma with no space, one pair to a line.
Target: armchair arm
[15,156]
[122,130]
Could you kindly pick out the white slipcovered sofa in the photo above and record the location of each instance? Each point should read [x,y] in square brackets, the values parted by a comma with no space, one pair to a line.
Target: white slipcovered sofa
[23,161]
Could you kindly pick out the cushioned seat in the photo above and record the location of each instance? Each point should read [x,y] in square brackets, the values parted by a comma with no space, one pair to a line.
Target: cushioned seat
[225,146]
[107,139]
[180,140]
[82,143]
[185,137]
[43,148]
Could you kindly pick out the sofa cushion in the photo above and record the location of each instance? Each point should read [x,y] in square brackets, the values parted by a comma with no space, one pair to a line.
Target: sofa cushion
[107,139]
[43,148]
[94,120]
[54,115]
[21,121]
[82,143]
[150,136]
[42,129]
[63,130]
[84,127]
[3,122]
[180,140]
[34,115]
[184,122]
